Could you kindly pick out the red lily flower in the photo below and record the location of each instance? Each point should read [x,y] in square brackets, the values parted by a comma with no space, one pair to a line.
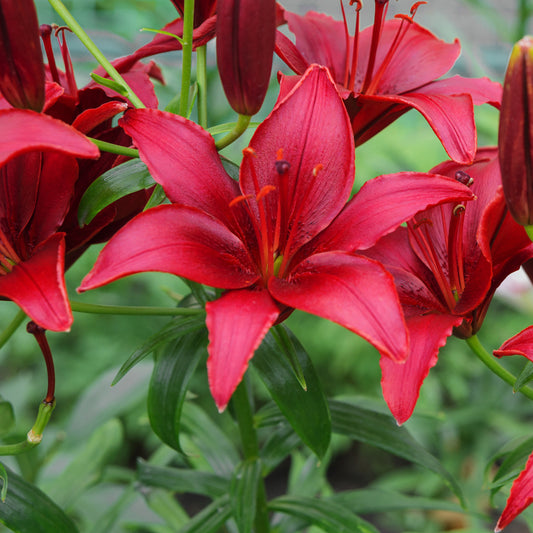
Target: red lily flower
[203,9]
[37,174]
[90,110]
[521,496]
[21,64]
[273,240]
[388,69]
[447,263]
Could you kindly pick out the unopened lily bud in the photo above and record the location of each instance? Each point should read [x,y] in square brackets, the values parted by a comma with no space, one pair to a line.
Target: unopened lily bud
[515,136]
[246,31]
[21,60]
[203,9]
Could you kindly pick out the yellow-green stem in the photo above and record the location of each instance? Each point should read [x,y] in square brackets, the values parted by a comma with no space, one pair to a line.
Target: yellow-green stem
[235,133]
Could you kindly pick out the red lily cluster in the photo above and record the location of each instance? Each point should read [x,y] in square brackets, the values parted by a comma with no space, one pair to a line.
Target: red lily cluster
[409,260]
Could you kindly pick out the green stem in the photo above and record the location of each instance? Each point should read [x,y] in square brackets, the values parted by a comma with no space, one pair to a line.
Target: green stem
[243,413]
[35,435]
[529,231]
[235,133]
[114,148]
[81,307]
[71,22]
[491,362]
[524,11]
[188,22]
[12,327]
[201,78]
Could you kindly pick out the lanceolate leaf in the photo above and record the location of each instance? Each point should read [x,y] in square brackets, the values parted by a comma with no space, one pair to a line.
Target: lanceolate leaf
[513,463]
[379,430]
[27,508]
[329,516]
[525,376]
[182,480]
[173,330]
[306,410]
[131,176]
[169,383]
[243,493]
[4,480]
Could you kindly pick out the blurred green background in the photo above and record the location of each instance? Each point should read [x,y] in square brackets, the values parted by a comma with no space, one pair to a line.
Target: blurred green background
[465,414]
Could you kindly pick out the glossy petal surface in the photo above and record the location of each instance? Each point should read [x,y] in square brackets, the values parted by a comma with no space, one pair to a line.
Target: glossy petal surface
[521,496]
[353,291]
[38,287]
[240,320]
[178,240]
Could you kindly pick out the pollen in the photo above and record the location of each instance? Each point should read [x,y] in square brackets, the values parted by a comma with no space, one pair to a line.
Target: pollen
[264,191]
[317,169]
[249,151]
[239,199]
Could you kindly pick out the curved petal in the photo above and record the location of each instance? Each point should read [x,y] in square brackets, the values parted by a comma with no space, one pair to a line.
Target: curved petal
[385,202]
[177,240]
[90,118]
[450,116]
[354,291]
[182,157]
[23,131]
[38,285]
[312,130]
[419,58]
[289,54]
[519,344]
[521,496]
[482,90]
[401,382]
[320,39]
[237,323]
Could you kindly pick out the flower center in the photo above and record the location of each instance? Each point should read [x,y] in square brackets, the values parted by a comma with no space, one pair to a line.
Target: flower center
[273,216]
[372,76]
[8,256]
[441,248]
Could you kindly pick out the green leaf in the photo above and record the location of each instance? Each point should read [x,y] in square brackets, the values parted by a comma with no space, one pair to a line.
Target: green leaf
[379,501]
[278,446]
[175,329]
[381,431]
[213,445]
[525,377]
[119,181]
[168,386]
[4,480]
[110,84]
[164,505]
[86,467]
[306,410]
[515,459]
[230,167]
[211,518]
[326,514]
[182,479]
[243,493]
[28,509]
[7,417]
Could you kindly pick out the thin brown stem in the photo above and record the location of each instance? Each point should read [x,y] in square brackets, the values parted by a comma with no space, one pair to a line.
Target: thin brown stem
[40,336]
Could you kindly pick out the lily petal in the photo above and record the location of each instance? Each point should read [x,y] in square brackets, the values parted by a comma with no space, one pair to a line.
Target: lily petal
[401,382]
[354,291]
[521,496]
[450,116]
[182,157]
[237,323]
[38,285]
[519,344]
[321,173]
[23,131]
[178,240]
[361,223]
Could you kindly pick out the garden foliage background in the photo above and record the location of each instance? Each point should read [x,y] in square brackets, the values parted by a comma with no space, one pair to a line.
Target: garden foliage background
[465,413]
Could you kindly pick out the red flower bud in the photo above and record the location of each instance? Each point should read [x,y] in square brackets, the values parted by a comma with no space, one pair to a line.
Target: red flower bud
[246,31]
[21,60]
[515,136]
